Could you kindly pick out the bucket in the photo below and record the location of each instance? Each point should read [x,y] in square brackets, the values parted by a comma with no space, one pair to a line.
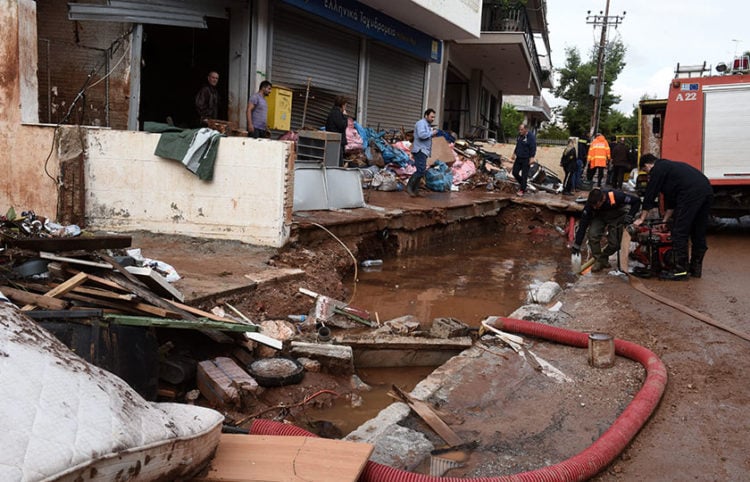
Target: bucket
[601,350]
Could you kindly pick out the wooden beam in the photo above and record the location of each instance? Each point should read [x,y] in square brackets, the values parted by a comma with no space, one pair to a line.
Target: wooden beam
[182,324]
[62,288]
[28,298]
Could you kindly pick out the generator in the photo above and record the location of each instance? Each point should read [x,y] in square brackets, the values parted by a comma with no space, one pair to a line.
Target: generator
[653,251]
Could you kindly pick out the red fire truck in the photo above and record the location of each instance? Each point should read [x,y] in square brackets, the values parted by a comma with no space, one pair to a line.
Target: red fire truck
[706,123]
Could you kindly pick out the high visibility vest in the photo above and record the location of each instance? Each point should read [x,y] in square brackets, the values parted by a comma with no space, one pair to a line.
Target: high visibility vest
[611,198]
[598,152]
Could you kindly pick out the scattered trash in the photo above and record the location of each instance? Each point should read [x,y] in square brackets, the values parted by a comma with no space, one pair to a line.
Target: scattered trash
[371,262]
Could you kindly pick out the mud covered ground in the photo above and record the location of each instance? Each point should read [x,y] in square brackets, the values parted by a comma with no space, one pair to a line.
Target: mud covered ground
[699,430]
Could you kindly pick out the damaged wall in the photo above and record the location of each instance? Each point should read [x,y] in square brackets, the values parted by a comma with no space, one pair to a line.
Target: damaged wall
[74,54]
[128,188]
[24,163]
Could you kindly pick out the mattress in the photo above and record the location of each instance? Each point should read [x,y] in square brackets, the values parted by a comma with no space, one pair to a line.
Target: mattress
[62,418]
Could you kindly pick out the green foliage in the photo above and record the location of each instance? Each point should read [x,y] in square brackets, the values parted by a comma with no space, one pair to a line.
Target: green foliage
[573,86]
[510,119]
[552,131]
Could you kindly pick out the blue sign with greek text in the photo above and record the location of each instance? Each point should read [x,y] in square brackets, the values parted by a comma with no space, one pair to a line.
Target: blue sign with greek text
[374,24]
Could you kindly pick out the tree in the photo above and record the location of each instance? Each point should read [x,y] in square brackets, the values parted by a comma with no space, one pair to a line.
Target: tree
[510,119]
[574,83]
[552,131]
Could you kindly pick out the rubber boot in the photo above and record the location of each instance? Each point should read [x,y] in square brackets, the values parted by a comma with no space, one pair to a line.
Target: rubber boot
[412,186]
[696,266]
[678,273]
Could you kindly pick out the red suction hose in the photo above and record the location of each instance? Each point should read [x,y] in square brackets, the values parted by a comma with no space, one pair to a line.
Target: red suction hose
[581,466]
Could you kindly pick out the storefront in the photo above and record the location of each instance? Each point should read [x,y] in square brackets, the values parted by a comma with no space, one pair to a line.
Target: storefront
[321,49]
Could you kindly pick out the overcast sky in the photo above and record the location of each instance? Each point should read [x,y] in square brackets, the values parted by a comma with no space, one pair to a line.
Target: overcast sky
[657,35]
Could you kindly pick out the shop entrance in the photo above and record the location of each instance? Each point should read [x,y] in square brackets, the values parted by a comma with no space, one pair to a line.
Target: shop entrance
[175,64]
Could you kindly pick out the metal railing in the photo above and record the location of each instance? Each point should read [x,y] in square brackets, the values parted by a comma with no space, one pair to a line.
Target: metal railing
[497,17]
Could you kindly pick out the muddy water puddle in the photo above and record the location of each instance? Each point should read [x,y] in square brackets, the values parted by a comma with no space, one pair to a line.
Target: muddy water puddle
[480,278]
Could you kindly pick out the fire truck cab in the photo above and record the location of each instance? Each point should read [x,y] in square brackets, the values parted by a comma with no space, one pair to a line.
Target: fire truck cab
[705,122]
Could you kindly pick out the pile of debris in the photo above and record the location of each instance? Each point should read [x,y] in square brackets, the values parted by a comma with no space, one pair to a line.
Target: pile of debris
[120,312]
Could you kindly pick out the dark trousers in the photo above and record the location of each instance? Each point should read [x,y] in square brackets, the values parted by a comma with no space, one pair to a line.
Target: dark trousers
[599,173]
[690,223]
[569,181]
[521,171]
[618,174]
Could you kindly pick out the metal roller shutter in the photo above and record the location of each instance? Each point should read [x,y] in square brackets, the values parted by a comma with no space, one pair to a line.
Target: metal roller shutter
[727,121]
[395,89]
[302,49]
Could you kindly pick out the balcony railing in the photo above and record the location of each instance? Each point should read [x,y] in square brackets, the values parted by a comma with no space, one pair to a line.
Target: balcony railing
[502,18]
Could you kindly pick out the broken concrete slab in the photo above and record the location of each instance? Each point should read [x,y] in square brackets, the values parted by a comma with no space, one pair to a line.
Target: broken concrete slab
[386,350]
[335,358]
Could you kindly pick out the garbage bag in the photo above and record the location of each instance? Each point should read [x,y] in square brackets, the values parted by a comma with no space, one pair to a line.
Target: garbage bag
[439,177]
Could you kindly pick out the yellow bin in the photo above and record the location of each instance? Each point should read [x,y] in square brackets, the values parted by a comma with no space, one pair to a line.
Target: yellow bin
[279,108]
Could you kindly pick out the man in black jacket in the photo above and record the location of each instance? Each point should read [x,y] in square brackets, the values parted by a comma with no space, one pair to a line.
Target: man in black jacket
[605,213]
[337,121]
[687,197]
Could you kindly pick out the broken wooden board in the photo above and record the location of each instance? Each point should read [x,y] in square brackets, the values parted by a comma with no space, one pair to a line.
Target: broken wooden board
[196,324]
[286,459]
[69,260]
[224,383]
[62,288]
[430,417]
[151,278]
[84,243]
[26,297]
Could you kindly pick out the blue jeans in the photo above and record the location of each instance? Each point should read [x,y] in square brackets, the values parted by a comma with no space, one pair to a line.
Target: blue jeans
[577,177]
[420,162]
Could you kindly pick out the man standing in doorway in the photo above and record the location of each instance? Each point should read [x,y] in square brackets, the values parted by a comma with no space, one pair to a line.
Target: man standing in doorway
[421,149]
[523,155]
[257,112]
[207,99]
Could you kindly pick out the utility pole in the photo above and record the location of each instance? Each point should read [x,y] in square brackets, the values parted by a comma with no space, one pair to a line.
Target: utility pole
[604,20]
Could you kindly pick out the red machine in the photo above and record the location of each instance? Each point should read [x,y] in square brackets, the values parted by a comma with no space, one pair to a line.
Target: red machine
[705,122]
[654,251]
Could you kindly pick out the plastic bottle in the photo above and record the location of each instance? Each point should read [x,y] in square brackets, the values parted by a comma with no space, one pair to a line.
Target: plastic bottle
[297,318]
[372,262]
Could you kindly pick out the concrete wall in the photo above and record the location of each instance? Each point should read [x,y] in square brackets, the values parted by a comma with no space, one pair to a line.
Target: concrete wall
[466,14]
[250,198]
[24,184]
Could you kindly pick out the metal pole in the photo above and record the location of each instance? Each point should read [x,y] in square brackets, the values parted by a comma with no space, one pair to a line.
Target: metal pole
[599,75]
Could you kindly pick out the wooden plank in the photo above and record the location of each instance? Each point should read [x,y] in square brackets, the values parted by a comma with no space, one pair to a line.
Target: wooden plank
[289,459]
[87,243]
[62,288]
[155,281]
[178,323]
[25,297]
[135,308]
[65,259]
[105,282]
[430,417]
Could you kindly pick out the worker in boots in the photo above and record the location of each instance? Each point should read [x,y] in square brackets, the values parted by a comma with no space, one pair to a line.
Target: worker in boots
[605,215]
[687,201]
[599,157]
[421,149]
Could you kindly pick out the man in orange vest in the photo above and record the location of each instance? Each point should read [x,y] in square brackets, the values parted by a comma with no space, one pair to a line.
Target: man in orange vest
[605,212]
[599,156]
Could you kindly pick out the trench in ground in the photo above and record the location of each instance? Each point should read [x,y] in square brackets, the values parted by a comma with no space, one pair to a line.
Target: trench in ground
[465,279]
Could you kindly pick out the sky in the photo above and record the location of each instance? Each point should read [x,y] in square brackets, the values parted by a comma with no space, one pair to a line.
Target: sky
[658,34]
